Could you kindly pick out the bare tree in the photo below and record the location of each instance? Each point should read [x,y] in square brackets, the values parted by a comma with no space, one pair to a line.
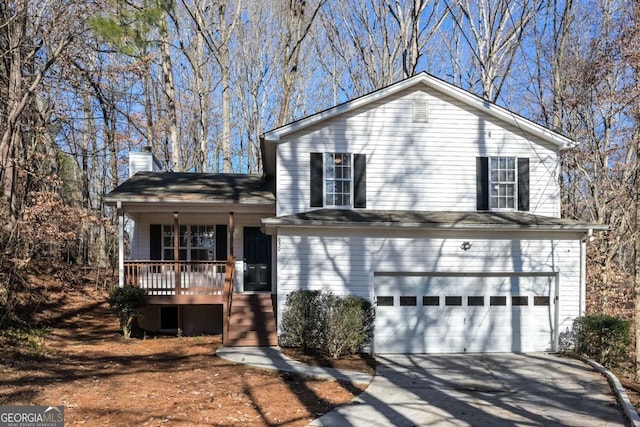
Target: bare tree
[33,41]
[492,31]
[381,41]
[296,21]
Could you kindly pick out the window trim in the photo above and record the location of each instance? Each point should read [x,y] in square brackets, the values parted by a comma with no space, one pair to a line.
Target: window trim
[514,183]
[325,180]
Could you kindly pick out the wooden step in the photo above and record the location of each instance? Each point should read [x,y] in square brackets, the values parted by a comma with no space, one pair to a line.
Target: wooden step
[240,325]
[251,338]
[254,300]
[249,309]
[236,334]
[251,319]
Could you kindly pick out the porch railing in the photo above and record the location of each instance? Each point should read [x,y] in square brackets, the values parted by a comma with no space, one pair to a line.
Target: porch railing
[227,296]
[160,278]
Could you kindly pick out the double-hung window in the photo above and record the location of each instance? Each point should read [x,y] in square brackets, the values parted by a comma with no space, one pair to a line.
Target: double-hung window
[337,179]
[503,182]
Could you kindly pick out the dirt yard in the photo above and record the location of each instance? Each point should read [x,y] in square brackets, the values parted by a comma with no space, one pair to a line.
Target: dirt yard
[83,363]
[80,361]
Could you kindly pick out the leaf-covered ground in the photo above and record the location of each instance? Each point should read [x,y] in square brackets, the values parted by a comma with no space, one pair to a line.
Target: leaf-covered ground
[82,362]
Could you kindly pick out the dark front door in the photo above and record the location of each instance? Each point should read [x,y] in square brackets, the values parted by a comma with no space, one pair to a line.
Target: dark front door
[257,260]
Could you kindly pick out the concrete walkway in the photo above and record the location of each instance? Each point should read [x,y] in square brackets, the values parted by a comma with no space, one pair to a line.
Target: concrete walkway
[272,358]
[461,390]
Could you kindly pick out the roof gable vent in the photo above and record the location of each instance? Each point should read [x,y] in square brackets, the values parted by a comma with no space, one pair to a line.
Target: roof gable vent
[420,109]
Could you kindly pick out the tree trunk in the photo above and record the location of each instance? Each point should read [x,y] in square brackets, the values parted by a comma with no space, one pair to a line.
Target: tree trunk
[170,93]
[16,28]
[226,89]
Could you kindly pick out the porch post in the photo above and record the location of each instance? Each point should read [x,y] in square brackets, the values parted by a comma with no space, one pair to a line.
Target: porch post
[176,252]
[120,245]
[231,232]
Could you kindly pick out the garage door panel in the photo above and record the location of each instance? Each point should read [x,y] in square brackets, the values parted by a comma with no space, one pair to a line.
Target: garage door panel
[464,313]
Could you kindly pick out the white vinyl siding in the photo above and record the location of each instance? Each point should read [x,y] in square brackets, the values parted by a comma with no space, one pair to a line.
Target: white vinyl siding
[417,166]
[345,262]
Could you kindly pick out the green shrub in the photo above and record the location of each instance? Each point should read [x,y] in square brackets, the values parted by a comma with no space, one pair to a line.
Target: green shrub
[323,322]
[126,303]
[301,320]
[602,338]
[348,325]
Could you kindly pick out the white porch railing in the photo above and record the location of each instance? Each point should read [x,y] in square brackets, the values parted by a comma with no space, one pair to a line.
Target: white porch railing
[169,278]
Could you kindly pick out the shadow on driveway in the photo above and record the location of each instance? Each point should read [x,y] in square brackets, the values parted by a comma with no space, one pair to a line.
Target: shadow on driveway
[481,390]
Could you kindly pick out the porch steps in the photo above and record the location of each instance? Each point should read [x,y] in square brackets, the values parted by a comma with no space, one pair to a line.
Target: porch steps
[252,321]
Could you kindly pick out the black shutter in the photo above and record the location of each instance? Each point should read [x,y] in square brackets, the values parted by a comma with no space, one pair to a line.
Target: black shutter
[155,242]
[482,183]
[316,183]
[523,184]
[360,178]
[221,242]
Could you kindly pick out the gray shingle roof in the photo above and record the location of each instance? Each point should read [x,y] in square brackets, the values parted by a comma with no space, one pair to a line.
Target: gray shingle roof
[427,219]
[189,187]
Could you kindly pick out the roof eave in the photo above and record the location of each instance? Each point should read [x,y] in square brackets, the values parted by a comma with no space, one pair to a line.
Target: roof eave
[110,200]
[272,222]
[276,135]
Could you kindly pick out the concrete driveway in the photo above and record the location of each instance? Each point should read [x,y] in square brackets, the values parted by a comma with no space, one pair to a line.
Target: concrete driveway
[481,390]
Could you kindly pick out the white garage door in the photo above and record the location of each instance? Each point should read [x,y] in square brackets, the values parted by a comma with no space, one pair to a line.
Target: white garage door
[455,314]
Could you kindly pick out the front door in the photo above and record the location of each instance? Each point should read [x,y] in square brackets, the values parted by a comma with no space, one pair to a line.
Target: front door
[257,260]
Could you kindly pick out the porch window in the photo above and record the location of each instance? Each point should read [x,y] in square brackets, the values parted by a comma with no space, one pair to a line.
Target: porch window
[197,242]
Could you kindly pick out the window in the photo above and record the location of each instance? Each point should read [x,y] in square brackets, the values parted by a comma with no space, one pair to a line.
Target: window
[384,301]
[540,300]
[503,182]
[197,242]
[519,300]
[452,300]
[337,179]
[430,300]
[498,300]
[169,317]
[408,301]
[475,301]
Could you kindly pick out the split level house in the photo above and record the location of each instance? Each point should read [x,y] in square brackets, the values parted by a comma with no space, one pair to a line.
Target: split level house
[439,207]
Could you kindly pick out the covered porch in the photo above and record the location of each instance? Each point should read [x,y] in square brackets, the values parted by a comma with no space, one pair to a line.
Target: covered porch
[182,227]
[192,241]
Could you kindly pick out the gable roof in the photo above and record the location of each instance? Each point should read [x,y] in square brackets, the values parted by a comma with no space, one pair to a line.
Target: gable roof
[194,187]
[494,110]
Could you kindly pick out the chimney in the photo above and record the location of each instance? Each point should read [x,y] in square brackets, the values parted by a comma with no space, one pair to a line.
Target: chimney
[143,161]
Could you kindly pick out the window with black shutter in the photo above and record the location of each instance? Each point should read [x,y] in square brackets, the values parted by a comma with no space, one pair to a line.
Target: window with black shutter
[502,183]
[338,180]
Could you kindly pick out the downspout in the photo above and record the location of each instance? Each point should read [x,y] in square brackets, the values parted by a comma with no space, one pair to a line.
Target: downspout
[120,244]
[583,272]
